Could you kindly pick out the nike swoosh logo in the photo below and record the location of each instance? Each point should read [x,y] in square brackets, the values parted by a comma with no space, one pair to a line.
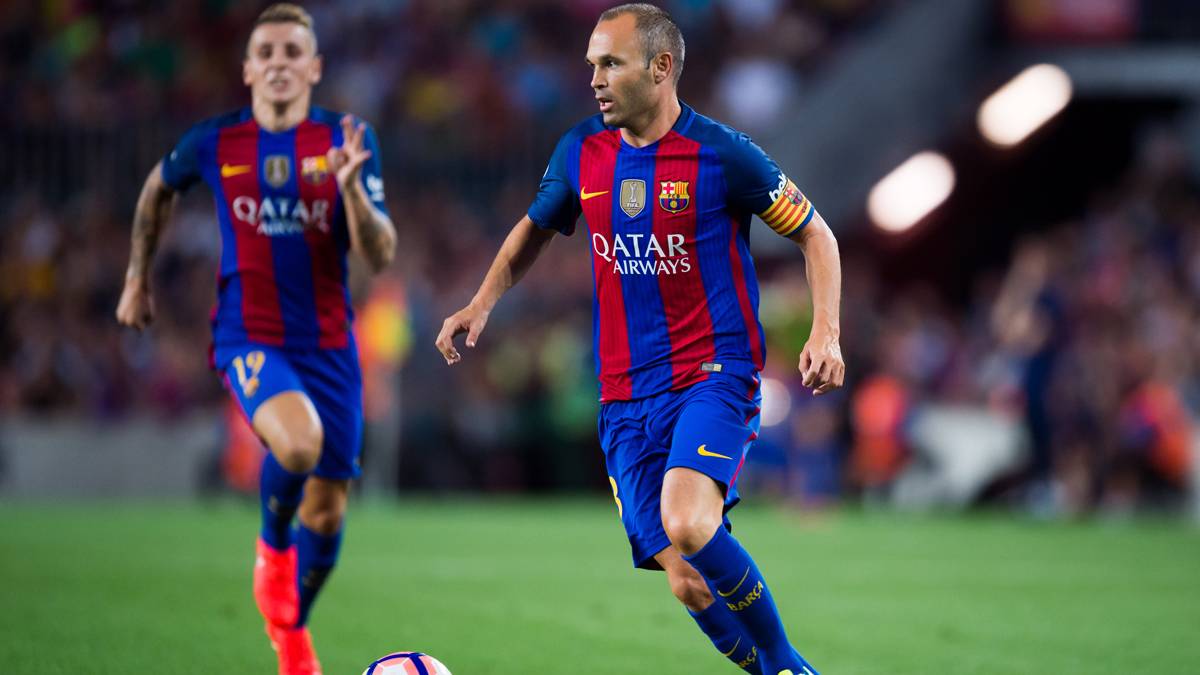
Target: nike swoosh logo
[228,170]
[705,453]
[734,589]
[584,195]
[732,649]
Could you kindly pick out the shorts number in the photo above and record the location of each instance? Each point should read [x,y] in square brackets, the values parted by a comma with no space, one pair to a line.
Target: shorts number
[247,371]
[620,509]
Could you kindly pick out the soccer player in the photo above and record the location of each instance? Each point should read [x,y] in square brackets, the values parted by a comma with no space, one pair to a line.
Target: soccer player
[667,195]
[295,188]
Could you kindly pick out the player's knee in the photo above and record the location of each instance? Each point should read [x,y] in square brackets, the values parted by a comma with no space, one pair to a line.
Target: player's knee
[323,519]
[324,505]
[689,531]
[298,449]
[690,589]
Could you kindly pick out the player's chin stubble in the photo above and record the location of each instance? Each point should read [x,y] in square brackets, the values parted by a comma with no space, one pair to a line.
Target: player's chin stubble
[635,102]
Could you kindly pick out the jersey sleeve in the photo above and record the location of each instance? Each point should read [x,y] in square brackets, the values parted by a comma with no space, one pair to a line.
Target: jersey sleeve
[181,166]
[756,184]
[372,171]
[556,206]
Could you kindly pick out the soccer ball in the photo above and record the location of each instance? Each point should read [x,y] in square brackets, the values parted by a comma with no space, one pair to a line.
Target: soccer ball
[407,663]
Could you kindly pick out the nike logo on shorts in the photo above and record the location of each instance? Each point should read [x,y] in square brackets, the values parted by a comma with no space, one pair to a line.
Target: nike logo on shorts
[705,453]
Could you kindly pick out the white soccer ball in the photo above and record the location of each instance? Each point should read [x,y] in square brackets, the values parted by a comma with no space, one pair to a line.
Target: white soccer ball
[407,663]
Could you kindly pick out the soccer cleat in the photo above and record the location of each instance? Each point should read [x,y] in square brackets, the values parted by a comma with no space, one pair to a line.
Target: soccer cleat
[275,589]
[294,648]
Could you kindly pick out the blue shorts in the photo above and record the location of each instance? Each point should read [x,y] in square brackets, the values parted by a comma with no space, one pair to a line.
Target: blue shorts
[330,378]
[708,427]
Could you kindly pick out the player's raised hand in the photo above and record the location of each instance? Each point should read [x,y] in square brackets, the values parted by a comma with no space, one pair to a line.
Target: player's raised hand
[136,307]
[347,160]
[470,320]
[822,365]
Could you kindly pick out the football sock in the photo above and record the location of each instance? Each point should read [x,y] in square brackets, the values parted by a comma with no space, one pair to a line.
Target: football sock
[316,554]
[280,491]
[728,636]
[736,581]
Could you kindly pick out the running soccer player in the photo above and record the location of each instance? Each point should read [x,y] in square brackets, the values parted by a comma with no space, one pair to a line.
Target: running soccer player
[668,195]
[295,188]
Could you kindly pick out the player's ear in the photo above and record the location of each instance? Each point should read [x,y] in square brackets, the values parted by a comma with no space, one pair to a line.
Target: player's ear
[661,66]
[314,74]
[247,78]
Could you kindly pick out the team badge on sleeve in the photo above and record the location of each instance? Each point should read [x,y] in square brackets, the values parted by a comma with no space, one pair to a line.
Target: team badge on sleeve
[790,210]
[674,196]
[314,169]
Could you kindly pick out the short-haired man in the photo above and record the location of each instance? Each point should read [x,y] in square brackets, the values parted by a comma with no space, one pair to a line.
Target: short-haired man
[296,187]
[668,195]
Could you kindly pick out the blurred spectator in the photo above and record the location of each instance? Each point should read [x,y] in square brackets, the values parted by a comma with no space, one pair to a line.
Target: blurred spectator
[879,409]
[1028,322]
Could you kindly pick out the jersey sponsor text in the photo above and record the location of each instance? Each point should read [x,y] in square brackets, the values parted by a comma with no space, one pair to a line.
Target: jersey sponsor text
[279,216]
[634,253]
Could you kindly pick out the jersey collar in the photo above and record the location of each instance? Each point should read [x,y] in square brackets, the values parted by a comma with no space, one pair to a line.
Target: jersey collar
[686,116]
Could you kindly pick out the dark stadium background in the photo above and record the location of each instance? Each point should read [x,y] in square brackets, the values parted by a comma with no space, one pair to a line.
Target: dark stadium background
[1029,349]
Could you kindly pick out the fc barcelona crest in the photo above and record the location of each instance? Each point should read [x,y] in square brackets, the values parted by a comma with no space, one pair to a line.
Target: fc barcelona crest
[314,169]
[793,194]
[277,169]
[674,196]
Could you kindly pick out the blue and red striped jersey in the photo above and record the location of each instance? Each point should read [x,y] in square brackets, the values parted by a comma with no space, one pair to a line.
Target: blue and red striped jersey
[282,275]
[676,297]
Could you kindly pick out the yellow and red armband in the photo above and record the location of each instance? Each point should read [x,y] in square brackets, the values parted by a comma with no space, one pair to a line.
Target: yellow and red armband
[790,212]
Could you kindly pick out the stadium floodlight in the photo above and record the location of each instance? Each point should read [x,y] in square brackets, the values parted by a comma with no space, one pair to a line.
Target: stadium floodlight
[776,402]
[911,191]
[1024,104]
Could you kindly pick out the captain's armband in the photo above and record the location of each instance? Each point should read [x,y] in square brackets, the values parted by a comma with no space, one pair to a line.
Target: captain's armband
[790,210]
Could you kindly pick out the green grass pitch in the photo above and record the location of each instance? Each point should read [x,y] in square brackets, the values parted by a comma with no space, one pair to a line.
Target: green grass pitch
[545,587]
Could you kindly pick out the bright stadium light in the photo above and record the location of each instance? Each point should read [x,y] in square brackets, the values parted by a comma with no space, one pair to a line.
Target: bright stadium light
[1024,104]
[911,191]
[776,402]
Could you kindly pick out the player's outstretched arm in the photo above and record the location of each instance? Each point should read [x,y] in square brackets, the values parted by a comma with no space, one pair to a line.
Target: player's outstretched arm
[154,206]
[372,234]
[821,360]
[518,253]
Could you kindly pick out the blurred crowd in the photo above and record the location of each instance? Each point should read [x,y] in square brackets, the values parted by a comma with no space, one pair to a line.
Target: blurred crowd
[445,77]
[1088,338]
